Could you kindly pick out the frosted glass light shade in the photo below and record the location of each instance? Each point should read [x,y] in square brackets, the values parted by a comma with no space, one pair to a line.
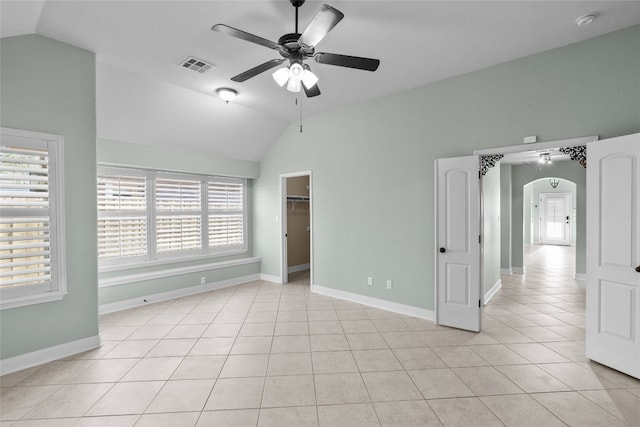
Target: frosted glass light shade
[294,85]
[296,71]
[309,79]
[281,76]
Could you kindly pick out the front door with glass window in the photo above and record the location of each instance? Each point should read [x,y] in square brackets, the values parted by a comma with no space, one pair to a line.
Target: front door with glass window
[555,218]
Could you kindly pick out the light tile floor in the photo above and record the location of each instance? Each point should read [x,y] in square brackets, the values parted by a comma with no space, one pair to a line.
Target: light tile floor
[261,354]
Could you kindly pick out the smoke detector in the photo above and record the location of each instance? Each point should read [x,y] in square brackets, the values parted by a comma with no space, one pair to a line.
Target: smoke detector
[196,64]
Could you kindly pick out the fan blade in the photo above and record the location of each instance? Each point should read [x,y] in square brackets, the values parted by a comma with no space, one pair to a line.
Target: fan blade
[357,62]
[313,91]
[239,34]
[326,18]
[257,70]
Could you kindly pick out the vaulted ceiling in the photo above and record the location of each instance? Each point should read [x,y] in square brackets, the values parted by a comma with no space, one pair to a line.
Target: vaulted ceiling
[145,96]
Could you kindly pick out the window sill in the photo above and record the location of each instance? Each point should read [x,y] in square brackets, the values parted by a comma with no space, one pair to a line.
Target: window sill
[158,274]
[27,300]
[165,261]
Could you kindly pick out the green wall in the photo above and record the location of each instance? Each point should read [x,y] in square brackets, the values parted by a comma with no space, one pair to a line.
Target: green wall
[373,163]
[48,86]
[505,218]
[118,153]
[491,228]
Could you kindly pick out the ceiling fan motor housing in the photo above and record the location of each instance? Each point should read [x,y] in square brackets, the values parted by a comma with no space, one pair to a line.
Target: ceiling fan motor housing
[290,47]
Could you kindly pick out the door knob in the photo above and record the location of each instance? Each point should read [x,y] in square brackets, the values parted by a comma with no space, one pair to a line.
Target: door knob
[638,269]
[443,250]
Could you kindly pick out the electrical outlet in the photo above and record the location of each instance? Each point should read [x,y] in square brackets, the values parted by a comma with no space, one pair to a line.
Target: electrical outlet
[370,281]
[389,284]
[530,139]
[203,280]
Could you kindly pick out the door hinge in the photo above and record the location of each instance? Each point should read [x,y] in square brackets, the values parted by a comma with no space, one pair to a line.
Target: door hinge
[479,303]
[480,238]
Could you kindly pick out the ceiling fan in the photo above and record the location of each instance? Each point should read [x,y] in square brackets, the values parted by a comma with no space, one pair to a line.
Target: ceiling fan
[296,47]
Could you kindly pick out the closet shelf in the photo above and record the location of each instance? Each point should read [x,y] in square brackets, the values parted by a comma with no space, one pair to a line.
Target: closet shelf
[298,198]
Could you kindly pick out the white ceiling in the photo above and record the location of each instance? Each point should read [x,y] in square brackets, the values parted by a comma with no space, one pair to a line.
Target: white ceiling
[144,96]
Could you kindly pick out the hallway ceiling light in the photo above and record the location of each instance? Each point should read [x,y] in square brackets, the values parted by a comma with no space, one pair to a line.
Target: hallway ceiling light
[545,158]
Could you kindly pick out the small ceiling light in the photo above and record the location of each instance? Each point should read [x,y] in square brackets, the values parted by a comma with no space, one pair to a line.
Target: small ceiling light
[586,19]
[227,94]
[545,158]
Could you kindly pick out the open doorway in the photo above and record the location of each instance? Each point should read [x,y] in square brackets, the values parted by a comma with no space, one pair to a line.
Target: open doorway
[296,230]
[526,216]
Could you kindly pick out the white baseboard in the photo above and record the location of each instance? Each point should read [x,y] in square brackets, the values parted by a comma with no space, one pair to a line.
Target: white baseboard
[161,273]
[506,271]
[395,307]
[518,270]
[299,267]
[581,278]
[491,292]
[163,296]
[39,357]
[270,278]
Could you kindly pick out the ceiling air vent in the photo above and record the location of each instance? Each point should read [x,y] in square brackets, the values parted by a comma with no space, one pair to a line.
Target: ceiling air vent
[196,64]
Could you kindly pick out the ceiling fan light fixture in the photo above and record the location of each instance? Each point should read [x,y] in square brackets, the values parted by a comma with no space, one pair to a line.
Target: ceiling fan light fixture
[281,76]
[294,85]
[296,71]
[227,94]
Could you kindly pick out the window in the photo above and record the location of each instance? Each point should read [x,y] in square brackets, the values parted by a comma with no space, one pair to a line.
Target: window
[122,215]
[154,216]
[178,214]
[32,218]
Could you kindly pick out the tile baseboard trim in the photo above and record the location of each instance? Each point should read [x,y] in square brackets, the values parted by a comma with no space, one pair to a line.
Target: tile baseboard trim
[506,271]
[49,354]
[491,292]
[177,293]
[581,278]
[395,307]
[271,278]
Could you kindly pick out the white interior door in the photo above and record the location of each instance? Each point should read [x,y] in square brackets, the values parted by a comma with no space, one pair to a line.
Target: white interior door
[555,215]
[457,239]
[613,253]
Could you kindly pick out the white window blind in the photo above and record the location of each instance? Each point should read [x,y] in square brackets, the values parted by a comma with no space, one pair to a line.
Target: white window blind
[226,216]
[30,253]
[178,214]
[122,215]
[146,215]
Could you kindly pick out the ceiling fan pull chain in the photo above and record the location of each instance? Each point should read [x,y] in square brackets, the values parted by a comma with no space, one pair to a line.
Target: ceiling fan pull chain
[300,114]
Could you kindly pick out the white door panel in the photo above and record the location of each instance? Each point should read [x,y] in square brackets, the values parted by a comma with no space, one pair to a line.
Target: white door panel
[458,249]
[613,253]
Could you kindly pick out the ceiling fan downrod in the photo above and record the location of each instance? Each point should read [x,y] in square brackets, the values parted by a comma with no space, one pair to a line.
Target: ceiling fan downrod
[297,4]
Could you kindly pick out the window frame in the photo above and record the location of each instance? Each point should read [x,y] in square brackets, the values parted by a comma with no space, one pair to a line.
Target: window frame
[129,172]
[56,288]
[153,257]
